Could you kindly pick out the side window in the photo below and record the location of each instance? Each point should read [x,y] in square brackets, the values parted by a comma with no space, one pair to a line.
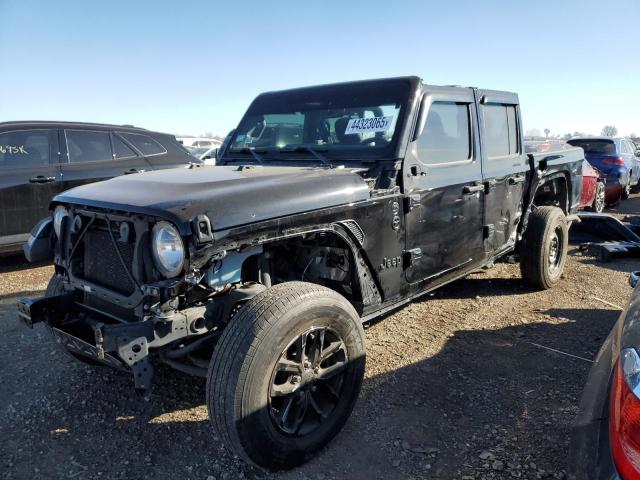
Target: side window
[628,147]
[24,148]
[144,143]
[501,137]
[447,134]
[514,138]
[121,149]
[88,146]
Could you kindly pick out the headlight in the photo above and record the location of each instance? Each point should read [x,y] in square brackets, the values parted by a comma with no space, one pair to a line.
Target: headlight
[168,250]
[58,216]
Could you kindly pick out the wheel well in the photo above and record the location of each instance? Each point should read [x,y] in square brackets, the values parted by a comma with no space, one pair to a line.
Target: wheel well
[323,258]
[553,192]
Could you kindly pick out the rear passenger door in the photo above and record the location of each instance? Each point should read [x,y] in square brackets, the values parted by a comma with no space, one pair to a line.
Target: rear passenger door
[445,194]
[95,155]
[29,177]
[505,167]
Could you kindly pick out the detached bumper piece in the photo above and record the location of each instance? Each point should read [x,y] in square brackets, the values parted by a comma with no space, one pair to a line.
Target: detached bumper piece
[79,346]
[605,237]
[121,345]
[36,310]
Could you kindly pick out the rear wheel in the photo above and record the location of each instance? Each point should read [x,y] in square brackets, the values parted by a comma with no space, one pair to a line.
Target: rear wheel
[598,202]
[626,191]
[55,288]
[543,251]
[286,374]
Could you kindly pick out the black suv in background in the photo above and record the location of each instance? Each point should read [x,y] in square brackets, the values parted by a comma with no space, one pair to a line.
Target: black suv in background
[38,160]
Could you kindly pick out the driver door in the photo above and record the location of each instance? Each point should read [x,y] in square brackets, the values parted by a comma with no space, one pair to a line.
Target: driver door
[445,193]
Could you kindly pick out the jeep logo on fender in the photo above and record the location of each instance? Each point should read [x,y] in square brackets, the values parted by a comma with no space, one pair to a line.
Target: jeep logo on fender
[391,262]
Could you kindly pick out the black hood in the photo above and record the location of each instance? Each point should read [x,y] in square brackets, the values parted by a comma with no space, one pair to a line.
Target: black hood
[230,196]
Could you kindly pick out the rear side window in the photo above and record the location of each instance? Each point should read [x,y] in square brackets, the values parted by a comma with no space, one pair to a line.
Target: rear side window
[88,146]
[628,147]
[597,146]
[144,143]
[501,130]
[121,149]
[446,137]
[24,148]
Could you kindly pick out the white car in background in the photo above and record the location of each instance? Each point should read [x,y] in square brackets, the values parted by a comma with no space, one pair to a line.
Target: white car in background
[199,141]
[209,157]
[206,154]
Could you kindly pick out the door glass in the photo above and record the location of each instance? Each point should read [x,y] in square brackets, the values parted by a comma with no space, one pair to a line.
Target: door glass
[496,126]
[88,146]
[447,135]
[24,148]
[121,149]
[144,143]
[514,143]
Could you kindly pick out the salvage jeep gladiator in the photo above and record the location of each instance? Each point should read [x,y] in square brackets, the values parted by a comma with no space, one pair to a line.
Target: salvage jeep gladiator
[329,206]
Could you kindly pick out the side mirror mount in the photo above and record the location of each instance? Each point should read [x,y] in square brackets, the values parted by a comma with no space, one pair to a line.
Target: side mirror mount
[634,278]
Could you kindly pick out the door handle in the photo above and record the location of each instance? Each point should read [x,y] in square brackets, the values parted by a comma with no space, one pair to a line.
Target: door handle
[42,179]
[132,170]
[471,189]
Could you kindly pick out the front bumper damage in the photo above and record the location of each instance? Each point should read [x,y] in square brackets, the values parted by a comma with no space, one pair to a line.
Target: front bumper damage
[125,345]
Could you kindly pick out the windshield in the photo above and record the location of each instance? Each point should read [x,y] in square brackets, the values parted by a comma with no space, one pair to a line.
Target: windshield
[345,121]
[603,147]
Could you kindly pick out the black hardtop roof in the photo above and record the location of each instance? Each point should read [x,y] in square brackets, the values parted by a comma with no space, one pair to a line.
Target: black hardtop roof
[412,80]
[67,124]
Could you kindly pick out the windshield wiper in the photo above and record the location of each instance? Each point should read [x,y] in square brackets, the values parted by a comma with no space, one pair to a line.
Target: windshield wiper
[313,151]
[258,158]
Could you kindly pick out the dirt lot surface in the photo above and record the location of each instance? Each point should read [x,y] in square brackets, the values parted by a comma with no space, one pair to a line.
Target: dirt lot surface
[458,385]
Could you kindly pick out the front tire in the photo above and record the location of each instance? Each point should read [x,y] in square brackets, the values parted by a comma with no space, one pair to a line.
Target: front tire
[543,252]
[285,374]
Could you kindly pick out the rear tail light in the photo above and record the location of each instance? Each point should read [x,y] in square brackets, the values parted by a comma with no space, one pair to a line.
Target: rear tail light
[613,161]
[624,415]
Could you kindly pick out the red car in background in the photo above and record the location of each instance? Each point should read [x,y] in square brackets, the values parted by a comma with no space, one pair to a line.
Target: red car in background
[595,195]
[593,189]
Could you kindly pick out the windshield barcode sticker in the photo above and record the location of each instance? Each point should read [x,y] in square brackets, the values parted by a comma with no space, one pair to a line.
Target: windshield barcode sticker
[362,125]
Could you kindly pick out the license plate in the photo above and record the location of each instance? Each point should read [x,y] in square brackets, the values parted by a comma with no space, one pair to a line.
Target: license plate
[79,346]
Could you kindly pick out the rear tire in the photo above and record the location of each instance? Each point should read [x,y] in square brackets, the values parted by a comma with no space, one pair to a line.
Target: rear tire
[626,190]
[272,405]
[598,202]
[54,288]
[543,252]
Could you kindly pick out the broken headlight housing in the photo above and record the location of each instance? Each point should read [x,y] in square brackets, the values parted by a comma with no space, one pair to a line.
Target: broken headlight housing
[59,215]
[167,248]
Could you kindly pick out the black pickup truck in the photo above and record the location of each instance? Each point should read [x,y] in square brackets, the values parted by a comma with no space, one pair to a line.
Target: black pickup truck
[328,207]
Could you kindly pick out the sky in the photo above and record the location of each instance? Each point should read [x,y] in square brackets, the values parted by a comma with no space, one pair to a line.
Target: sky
[191,67]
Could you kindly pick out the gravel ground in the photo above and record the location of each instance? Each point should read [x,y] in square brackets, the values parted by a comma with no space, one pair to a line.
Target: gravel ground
[458,385]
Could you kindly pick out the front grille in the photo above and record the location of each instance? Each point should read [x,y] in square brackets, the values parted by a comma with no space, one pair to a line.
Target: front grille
[102,265]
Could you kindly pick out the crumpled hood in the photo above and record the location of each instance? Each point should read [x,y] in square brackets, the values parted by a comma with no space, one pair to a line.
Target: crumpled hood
[230,196]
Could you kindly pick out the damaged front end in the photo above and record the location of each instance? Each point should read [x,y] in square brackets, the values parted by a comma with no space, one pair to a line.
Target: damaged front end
[118,302]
